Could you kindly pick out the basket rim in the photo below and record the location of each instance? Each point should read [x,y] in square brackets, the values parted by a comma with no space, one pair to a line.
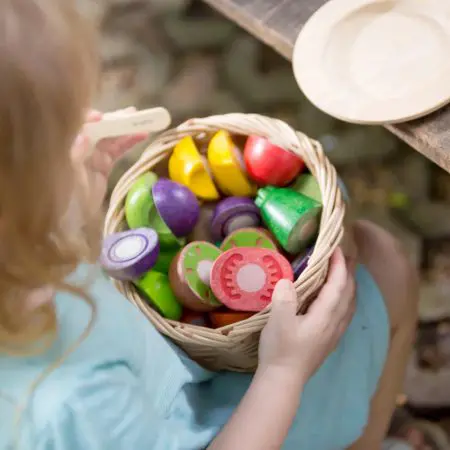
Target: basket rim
[279,133]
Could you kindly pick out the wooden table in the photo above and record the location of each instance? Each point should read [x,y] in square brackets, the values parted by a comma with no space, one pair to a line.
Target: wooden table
[278,22]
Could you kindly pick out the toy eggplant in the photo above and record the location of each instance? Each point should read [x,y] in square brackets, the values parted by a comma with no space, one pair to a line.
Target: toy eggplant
[231,214]
[188,167]
[227,166]
[301,262]
[268,164]
[130,254]
[243,278]
[292,218]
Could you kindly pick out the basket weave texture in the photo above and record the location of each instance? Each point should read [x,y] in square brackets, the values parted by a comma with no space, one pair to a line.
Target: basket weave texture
[235,347]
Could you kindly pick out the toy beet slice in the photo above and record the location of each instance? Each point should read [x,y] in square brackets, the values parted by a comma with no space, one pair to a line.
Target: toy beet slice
[231,214]
[292,218]
[221,318]
[155,287]
[189,276]
[300,263]
[128,255]
[243,279]
[194,318]
[248,237]
[177,206]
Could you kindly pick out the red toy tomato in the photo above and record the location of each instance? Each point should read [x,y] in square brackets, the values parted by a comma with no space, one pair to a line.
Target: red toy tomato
[243,278]
[268,164]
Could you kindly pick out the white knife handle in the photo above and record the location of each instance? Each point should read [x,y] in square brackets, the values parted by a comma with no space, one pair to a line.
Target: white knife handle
[145,121]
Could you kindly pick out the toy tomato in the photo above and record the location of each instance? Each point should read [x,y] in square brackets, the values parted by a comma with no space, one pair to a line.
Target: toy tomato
[268,164]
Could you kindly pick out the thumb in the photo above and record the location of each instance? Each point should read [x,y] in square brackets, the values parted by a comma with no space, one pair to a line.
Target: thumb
[284,300]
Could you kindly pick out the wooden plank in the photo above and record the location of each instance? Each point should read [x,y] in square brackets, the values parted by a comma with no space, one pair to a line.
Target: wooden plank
[277,24]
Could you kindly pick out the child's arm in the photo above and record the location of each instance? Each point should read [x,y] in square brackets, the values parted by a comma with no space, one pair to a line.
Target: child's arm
[292,348]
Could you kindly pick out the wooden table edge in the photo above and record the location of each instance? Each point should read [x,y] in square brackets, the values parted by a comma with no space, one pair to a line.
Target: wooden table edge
[430,135]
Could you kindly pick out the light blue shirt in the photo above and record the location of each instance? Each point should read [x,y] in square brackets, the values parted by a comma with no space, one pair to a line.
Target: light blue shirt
[126,387]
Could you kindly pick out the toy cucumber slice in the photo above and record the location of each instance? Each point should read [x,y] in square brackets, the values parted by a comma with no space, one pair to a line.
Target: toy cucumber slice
[139,203]
[189,276]
[307,185]
[248,237]
[155,287]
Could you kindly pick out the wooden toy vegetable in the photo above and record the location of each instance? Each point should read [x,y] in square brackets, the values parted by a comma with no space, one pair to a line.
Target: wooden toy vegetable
[222,318]
[248,237]
[189,276]
[140,211]
[188,167]
[243,278]
[202,229]
[165,258]
[176,205]
[300,263]
[139,203]
[194,318]
[227,166]
[291,217]
[269,164]
[232,214]
[307,185]
[130,254]
[155,287]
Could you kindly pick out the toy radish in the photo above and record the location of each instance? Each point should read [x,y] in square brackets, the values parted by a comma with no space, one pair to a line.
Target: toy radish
[176,205]
[189,276]
[243,278]
[268,164]
[232,214]
[155,287]
[188,167]
[130,254]
[227,166]
[291,217]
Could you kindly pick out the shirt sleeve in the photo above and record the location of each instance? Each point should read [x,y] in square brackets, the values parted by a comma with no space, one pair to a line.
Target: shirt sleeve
[108,411]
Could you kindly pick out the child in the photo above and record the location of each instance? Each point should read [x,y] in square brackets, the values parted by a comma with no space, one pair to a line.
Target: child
[81,369]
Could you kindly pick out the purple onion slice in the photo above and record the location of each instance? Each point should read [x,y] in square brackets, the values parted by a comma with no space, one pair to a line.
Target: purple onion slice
[301,262]
[234,213]
[130,254]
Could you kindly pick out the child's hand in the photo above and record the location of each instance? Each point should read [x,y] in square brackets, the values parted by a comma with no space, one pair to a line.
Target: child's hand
[296,346]
[97,166]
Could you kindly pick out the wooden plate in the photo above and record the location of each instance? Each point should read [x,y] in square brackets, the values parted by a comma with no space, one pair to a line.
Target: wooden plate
[376,61]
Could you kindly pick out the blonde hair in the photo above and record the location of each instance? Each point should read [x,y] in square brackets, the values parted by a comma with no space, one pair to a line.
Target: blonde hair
[48,73]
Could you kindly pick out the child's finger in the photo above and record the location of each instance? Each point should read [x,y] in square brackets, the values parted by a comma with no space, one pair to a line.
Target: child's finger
[284,300]
[332,290]
[94,116]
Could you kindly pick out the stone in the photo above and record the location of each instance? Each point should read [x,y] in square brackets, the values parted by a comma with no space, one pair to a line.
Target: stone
[189,93]
[116,48]
[434,303]
[429,220]
[198,34]
[224,101]
[356,144]
[253,86]
[313,122]
[134,83]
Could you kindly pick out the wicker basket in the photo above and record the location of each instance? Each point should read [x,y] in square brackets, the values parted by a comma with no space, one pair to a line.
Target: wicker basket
[235,347]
